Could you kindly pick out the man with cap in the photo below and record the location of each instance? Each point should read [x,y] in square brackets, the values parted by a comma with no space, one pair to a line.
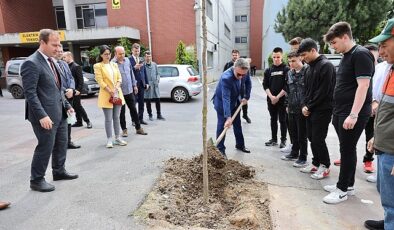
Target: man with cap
[383,139]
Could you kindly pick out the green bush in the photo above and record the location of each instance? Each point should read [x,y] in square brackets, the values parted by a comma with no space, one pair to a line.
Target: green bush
[284,59]
[186,55]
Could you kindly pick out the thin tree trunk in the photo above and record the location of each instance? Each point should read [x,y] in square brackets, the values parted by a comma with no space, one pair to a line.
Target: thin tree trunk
[204,108]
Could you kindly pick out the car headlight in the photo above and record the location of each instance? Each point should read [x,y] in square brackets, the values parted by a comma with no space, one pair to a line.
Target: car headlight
[85,79]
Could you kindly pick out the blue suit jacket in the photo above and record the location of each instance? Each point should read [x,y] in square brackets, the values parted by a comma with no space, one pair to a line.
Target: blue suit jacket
[227,95]
[140,75]
[67,77]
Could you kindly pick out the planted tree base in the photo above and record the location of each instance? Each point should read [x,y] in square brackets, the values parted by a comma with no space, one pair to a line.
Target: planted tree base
[236,200]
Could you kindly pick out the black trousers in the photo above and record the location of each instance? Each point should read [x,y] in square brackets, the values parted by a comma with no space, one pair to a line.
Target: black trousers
[71,101]
[278,111]
[130,102]
[369,130]
[297,123]
[245,110]
[149,106]
[80,112]
[140,101]
[347,146]
[289,128]
[50,142]
[317,128]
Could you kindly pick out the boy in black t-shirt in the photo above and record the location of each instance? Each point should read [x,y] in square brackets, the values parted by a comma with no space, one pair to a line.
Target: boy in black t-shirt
[274,83]
[352,105]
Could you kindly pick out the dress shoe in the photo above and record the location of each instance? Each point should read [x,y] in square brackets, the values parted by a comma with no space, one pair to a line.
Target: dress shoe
[141,131]
[374,224]
[247,119]
[71,145]
[77,124]
[160,117]
[89,125]
[41,186]
[243,149]
[4,204]
[65,176]
[150,117]
[143,122]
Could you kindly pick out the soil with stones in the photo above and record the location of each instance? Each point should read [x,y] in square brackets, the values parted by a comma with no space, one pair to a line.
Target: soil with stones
[236,200]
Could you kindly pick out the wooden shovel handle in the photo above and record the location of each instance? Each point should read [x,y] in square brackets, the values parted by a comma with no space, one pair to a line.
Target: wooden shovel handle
[226,128]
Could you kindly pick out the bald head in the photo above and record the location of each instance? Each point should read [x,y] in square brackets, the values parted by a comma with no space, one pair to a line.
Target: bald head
[68,57]
[120,53]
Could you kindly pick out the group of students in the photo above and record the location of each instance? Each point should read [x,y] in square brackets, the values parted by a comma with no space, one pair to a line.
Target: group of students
[309,94]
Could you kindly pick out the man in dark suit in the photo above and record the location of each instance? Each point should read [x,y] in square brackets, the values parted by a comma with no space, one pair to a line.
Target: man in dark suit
[76,71]
[228,97]
[46,109]
[142,81]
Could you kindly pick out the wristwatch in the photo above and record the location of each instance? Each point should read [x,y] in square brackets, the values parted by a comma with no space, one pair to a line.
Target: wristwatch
[353,116]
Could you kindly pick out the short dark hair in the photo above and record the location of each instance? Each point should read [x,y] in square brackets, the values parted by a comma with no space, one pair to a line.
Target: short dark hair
[136,46]
[337,31]
[372,47]
[235,51]
[44,34]
[277,50]
[102,49]
[307,45]
[147,52]
[293,54]
[295,41]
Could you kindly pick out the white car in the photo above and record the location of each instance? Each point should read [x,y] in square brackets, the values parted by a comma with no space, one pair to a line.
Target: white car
[179,82]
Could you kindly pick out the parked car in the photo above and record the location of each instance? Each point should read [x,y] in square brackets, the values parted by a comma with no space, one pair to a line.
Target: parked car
[179,82]
[335,59]
[14,79]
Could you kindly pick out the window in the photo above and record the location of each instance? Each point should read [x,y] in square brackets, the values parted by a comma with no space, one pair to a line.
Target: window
[208,9]
[241,39]
[60,19]
[227,31]
[192,71]
[93,15]
[241,18]
[13,69]
[210,59]
[168,71]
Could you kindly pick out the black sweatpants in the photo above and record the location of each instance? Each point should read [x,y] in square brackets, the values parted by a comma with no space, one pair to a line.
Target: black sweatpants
[278,111]
[297,123]
[369,129]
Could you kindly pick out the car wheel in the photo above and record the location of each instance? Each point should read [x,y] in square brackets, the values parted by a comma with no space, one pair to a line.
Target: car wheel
[91,94]
[17,92]
[180,95]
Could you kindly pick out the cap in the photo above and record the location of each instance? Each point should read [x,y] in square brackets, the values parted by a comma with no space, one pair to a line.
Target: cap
[387,32]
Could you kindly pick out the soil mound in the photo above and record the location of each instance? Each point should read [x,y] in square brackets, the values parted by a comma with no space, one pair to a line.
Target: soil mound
[236,201]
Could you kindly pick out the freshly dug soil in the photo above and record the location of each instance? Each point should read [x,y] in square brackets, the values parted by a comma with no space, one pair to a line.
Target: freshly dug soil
[236,201]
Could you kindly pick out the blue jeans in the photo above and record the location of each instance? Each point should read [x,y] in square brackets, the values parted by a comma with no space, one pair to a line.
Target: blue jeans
[385,185]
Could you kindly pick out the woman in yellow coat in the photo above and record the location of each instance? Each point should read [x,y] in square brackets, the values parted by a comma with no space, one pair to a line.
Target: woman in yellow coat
[108,77]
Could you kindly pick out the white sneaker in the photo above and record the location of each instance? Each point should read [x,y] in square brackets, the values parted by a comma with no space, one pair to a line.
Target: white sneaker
[119,141]
[371,178]
[309,169]
[286,149]
[335,197]
[322,172]
[109,143]
[331,188]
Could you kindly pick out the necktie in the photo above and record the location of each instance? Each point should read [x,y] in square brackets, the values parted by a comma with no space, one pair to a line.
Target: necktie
[54,72]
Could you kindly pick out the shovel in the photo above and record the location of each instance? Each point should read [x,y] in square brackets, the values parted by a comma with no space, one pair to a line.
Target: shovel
[210,141]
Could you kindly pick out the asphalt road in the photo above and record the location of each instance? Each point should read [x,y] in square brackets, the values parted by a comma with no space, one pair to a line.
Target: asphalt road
[113,182]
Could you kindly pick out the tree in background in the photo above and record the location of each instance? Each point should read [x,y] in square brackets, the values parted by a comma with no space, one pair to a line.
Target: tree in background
[185,55]
[126,43]
[312,18]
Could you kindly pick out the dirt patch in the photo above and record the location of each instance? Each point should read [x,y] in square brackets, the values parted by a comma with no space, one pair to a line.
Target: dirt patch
[236,200]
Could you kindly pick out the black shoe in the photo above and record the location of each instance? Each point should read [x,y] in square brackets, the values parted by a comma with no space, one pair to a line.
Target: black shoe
[143,122]
[243,149]
[289,157]
[41,186]
[374,224]
[271,142]
[71,145]
[282,144]
[89,125]
[247,119]
[65,176]
[77,124]
[160,117]
[150,117]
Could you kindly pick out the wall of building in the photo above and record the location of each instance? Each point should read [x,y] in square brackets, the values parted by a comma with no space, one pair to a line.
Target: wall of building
[256,32]
[23,16]
[242,29]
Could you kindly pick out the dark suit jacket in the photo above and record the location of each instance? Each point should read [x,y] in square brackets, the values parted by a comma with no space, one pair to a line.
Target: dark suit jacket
[76,71]
[228,65]
[227,95]
[140,75]
[67,77]
[43,97]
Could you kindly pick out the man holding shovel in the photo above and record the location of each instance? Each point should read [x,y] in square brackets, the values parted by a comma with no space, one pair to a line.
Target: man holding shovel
[227,99]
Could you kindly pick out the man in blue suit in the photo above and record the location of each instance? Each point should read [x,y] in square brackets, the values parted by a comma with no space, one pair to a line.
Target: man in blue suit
[142,80]
[227,98]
